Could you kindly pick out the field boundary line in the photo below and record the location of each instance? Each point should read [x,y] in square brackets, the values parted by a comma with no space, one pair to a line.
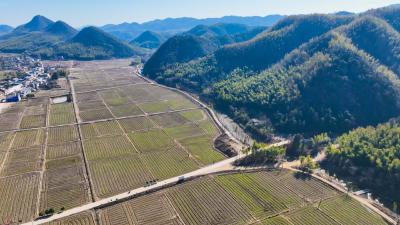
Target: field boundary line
[85,161]
[43,161]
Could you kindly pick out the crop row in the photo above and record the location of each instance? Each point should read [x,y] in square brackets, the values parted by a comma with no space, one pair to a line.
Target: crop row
[18,196]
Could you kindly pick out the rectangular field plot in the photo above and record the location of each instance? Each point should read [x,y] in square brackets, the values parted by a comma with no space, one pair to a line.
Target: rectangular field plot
[169,119]
[5,140]
[269,181]
[256,198]
[307,187]
[67,196]
[112,98]
[79,219]
[194,115]
[310,216]
[61,114]
[278,220]
[180,102]
[101,129]
[9,121]
[154,107]
[63,176]
[28,139]
[126,110]
[152,209]
[209,127]
[136,124]
[64,163]
[206,202]
[58,135]
[118,175]
[201,148]
[152,141]
[348,211]
[93,105]
[33,121]
[22,161]
[63,150]
[97,114]
[88,97]
[184,131]
[137,93]
[108,147]
[168,164]
[18,203]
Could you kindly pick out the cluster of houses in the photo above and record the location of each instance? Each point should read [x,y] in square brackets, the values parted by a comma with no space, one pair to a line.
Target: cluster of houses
[31,76]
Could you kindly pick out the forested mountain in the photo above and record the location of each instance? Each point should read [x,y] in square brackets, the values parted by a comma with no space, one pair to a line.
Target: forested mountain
[197,43]
[172,26]
[90,43]
[149,39]
[370,158]
[307,74]
[61,28]
[4,29]
[45,38]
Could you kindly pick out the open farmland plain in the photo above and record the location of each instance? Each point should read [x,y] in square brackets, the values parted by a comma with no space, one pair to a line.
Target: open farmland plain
[120,133]
[135,132]
[243,198]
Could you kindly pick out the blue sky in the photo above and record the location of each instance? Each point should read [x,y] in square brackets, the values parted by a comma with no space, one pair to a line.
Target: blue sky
[100,12]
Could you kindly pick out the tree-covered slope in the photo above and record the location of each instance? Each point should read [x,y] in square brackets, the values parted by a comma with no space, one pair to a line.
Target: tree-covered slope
[307,74]
[196,43]
[91,43]
[148,39]
[326,86]
[370,158]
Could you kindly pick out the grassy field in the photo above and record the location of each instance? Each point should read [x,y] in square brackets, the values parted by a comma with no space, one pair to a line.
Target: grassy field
[201,148]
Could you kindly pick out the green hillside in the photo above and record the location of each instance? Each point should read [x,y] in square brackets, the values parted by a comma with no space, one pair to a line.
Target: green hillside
[307,74]
[196,43]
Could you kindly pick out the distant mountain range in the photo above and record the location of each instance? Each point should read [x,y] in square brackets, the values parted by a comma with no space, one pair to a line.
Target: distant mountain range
[150,40]
[306,74]
[171,26]
[198,42]
[47,39]
[4,29]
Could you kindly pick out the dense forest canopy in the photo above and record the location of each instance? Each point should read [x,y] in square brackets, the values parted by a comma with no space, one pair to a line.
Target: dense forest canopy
[371,157]
[307,74]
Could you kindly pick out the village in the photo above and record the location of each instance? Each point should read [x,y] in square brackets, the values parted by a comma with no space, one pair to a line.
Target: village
[21,77]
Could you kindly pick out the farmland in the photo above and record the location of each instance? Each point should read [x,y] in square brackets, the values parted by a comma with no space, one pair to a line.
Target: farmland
[120,133]
[135,132]
[242,198]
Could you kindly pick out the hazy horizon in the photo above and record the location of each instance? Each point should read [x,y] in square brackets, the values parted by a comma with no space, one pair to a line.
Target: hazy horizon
[102,12]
